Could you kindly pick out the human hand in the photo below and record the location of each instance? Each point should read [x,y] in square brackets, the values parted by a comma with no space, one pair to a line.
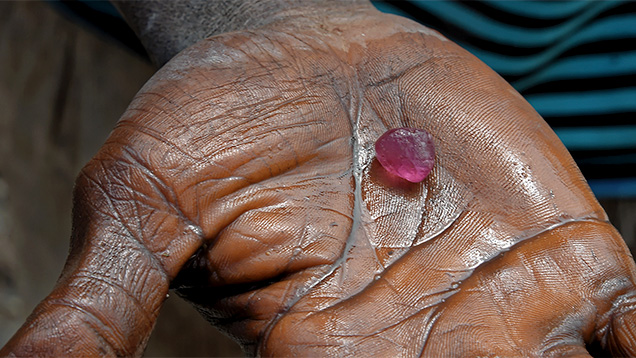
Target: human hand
[243,175]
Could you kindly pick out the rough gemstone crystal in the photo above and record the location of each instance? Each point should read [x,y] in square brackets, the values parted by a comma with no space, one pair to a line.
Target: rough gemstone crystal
[406,152]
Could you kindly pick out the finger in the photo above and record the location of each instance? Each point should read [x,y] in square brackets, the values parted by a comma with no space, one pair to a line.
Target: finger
[617,323]
[533,300]
[117,274]
[622,334]
[106,303]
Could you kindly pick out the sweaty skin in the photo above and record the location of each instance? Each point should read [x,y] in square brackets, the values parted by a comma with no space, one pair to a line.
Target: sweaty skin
[243,176]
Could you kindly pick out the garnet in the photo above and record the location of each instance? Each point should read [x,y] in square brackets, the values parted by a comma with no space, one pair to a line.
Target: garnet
[406,152]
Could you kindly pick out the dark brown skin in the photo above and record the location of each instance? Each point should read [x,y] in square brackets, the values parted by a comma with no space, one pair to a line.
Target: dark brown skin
[243,175]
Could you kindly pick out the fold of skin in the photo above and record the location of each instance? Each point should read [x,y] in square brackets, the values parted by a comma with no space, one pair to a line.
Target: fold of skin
[243,175]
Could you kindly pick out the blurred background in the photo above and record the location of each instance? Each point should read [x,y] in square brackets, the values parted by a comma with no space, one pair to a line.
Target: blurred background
[69,69]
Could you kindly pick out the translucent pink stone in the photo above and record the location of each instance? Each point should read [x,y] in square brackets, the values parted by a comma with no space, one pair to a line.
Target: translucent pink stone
[406,152]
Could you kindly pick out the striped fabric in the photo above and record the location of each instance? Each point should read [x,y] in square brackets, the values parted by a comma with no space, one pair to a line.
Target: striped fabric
[574,61]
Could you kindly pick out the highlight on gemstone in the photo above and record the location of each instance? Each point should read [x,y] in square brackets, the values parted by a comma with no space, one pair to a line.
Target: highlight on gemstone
[406,152]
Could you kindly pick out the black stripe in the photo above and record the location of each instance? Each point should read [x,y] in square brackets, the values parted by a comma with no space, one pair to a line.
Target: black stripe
[591,154]
[601,47]
[606,119]
[607,171]
[583,84]
[601,164]
[622,9]
[606,46]
[515,19]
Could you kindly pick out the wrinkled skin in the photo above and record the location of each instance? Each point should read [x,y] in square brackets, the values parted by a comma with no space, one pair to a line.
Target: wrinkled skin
[243,175]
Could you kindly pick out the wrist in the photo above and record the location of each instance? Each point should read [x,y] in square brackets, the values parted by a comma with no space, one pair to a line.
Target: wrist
[167,27]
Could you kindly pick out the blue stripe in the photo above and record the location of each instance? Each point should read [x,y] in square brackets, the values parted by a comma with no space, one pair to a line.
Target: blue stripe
[589,66]
[613,188]
[541,9]
[597,138]
[582,103]
[486,28]
[610,28]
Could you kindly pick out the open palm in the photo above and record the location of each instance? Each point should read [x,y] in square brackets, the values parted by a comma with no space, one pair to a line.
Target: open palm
[243,175]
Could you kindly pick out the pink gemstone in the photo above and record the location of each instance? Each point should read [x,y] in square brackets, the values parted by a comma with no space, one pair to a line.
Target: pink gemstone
[406,152]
